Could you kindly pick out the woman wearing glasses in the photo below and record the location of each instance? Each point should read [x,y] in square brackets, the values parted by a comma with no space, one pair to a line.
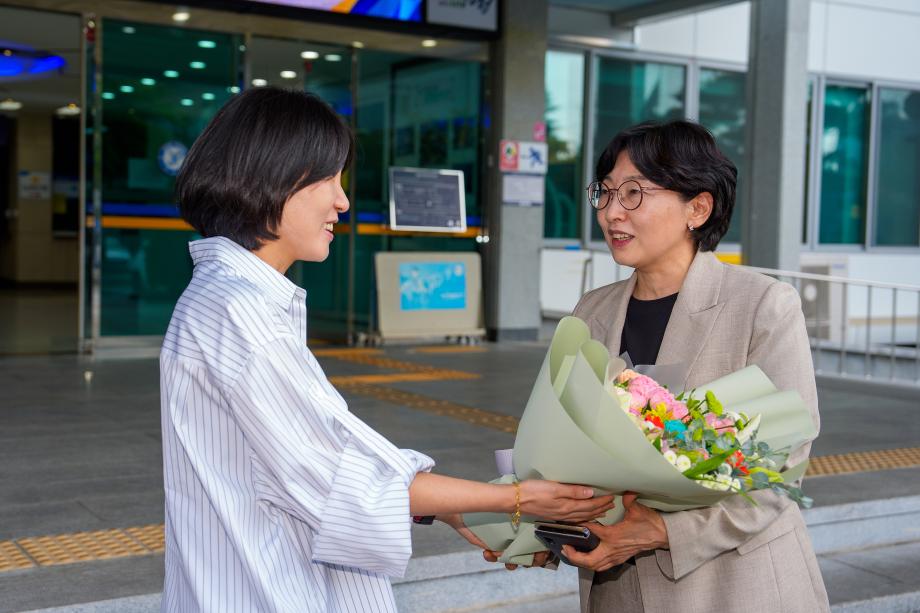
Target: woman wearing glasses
[663,195]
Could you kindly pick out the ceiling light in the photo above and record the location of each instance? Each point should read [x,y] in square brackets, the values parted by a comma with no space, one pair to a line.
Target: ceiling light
[108,95]
[333,57]
[288,74]
[259,82]
[207,44]
[309,55]
[186,102]
[127,89]
[148,81]
[208,96]
[196,65]
[171,74]
[429,42]
[68,111]
[7,52]
[10,105]
[233,89]
[357,44]
[128,30]
[181,15]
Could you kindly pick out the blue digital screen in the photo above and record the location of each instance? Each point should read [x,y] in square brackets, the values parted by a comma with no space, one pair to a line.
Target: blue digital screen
[432,285]
[401,10]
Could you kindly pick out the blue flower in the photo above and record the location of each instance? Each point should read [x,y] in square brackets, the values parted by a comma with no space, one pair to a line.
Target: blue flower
[675,425]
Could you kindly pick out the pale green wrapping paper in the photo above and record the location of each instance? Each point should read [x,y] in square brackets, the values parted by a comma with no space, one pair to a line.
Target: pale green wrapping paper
[574,431]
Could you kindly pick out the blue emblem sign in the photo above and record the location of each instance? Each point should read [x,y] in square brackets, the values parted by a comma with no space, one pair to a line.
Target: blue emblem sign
[171,156]
[432,285]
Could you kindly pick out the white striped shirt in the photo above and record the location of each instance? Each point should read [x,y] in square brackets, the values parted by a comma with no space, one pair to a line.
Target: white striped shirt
[277,498]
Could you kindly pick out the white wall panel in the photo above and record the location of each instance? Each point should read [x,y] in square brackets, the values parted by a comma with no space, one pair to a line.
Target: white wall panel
[872,43]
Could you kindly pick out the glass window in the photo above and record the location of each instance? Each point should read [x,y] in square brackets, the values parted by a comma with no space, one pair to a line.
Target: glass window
[631,92]
[154,106]
[565,82]
[844,154]
[722,110]
[897,216]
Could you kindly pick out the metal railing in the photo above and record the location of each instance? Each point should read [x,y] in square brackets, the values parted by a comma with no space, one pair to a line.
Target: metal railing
[859,328]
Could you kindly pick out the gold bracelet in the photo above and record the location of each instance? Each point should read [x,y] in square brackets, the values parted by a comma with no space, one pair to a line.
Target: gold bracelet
[516,516]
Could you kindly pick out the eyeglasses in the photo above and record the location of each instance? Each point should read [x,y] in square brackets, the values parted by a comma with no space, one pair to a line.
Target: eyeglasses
[629,194]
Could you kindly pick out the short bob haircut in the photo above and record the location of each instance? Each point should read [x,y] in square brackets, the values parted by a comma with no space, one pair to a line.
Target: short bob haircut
[263,146]
[681,156]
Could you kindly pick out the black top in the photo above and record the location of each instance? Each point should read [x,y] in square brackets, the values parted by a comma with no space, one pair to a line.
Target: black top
[644,328]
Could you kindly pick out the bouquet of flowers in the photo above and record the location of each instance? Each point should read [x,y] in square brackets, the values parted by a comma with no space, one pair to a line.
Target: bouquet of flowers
[590,420]
[715,447]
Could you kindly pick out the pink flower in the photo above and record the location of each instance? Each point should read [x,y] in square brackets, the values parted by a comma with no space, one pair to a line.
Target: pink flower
[645,390]
[642,388]
[724,424]
[627,375]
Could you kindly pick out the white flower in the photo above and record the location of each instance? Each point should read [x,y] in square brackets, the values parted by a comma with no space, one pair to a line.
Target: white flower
[623,397]
[749,430]
[736,485]
[713,485]
[683,463]
[670,456]
[725,468]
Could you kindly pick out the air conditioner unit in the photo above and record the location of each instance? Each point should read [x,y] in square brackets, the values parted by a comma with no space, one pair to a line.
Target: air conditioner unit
[823,302]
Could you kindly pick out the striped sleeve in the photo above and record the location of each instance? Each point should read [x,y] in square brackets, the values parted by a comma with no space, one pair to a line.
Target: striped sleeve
[322,465]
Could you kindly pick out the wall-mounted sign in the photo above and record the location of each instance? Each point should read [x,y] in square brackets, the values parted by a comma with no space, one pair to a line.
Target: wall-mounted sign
[400,10]
[508,156]
[539,131]
[523,156]
[427,200]
[476,14]
[34,185]
[523,190]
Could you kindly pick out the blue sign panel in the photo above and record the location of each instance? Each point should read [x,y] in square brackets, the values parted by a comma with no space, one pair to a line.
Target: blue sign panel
[432,285]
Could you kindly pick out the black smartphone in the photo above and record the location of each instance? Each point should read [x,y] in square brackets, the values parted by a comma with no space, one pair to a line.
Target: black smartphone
[554,536]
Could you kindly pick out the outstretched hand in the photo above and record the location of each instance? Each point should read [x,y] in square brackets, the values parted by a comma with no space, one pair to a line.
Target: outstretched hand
[562,502]
[540,559]
[455,521]
[642,529]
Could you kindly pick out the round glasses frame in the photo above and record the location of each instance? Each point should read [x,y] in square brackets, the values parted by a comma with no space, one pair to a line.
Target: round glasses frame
[629,194]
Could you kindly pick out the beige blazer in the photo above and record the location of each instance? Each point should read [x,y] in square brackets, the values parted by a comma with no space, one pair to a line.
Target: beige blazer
[733,556]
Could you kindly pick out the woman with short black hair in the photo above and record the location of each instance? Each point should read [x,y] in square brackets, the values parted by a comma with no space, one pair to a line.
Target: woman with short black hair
[277,497]
[664,195]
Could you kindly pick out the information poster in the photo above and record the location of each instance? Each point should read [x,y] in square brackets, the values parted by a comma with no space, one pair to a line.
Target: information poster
[432,285]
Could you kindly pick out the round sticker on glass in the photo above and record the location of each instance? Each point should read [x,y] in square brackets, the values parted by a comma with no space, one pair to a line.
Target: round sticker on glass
[171,156]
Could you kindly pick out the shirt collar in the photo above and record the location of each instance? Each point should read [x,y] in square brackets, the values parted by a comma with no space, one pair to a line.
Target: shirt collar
[249,266]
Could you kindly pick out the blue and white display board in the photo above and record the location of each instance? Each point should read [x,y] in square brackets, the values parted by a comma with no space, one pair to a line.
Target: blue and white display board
[425,286]
[429,294]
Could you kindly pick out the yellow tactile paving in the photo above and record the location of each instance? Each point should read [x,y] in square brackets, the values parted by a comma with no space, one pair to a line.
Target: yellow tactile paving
[150,537]
[450,349]
[81,547]
[59,549]
[12,557]
[470,415]
[431,375]
[864,461]
[343,352]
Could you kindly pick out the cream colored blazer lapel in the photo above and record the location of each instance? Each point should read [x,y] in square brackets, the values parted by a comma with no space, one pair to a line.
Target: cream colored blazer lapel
[694,314]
